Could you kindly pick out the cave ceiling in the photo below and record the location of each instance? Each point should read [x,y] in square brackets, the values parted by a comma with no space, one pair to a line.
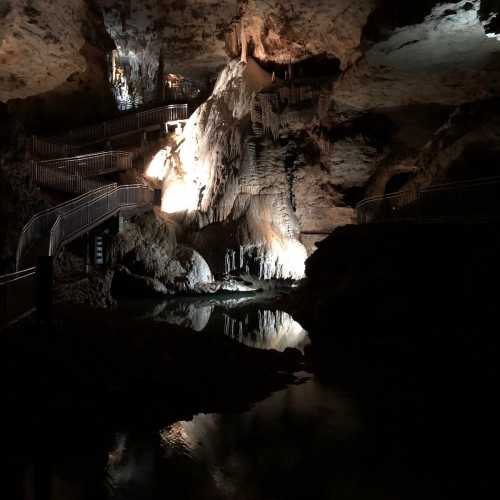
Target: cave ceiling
[391,54]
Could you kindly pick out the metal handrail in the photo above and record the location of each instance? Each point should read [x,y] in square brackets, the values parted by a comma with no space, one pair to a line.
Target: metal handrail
[72,174]
[16,294]
[40,224]
[435,187]
[62,180]
[118,126]
[61,225]
[6,279]
[401,199]
[82,218]
[121,158]
[71,142]
[46,149]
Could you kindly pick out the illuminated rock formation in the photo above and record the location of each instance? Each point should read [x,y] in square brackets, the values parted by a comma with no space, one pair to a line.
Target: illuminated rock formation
[151,261]
[228,191]
[316,105]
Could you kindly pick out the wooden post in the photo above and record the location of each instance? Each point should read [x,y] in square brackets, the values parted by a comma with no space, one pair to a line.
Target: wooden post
[44,288]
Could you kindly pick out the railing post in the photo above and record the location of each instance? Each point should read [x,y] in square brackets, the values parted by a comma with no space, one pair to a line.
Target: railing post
[87,253]
[44,288]
[417,206]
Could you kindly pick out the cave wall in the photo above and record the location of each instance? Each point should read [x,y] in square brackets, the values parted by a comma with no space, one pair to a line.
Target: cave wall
[285,160]
[384,96]
[255,181]
[53,59]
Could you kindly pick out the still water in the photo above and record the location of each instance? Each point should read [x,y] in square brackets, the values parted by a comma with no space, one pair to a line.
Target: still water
[275,450]
[251,319]
[398,429]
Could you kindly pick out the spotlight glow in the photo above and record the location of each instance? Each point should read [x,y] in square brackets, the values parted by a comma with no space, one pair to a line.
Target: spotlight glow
[179,195]
[157,169]
[284,258]
[293,256]
[187,175]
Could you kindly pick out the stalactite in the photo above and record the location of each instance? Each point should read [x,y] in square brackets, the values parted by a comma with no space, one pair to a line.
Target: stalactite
[232,41]
[244,45]
[270,120]
[296,95]
[325,145]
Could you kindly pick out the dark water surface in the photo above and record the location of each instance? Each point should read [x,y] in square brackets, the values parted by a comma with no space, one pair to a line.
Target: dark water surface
[404,430]
[252,319]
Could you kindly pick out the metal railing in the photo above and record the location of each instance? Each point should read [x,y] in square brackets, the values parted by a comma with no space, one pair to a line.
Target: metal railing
[71,175]
[79,215]
[92,165]
[43,148]
[125,124]
[58,226]
[39,226]
[92,212]
[16,294]
[60,180]
[474,200]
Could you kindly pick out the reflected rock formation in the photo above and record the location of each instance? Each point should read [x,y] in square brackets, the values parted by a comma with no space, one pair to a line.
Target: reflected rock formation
[245,319]
[267,330]
[268,451]
[290,445]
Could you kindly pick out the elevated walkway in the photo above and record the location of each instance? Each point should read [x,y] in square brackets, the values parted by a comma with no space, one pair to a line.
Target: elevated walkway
[62,166]
[77,175]
[59,225]
[475,200]
[48,231]
[75,141]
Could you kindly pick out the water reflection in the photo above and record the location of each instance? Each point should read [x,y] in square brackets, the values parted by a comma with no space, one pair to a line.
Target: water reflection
[275,450]
[250,320]
[267,330]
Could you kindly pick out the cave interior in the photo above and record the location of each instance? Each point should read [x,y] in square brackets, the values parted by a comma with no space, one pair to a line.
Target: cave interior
[249,248]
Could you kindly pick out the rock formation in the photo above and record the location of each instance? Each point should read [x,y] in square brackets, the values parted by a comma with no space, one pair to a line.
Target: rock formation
[53,53]
[316,105]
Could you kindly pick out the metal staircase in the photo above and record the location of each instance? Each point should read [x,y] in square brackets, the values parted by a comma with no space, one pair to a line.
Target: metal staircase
[76,140]
[69,171]
[77,174]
